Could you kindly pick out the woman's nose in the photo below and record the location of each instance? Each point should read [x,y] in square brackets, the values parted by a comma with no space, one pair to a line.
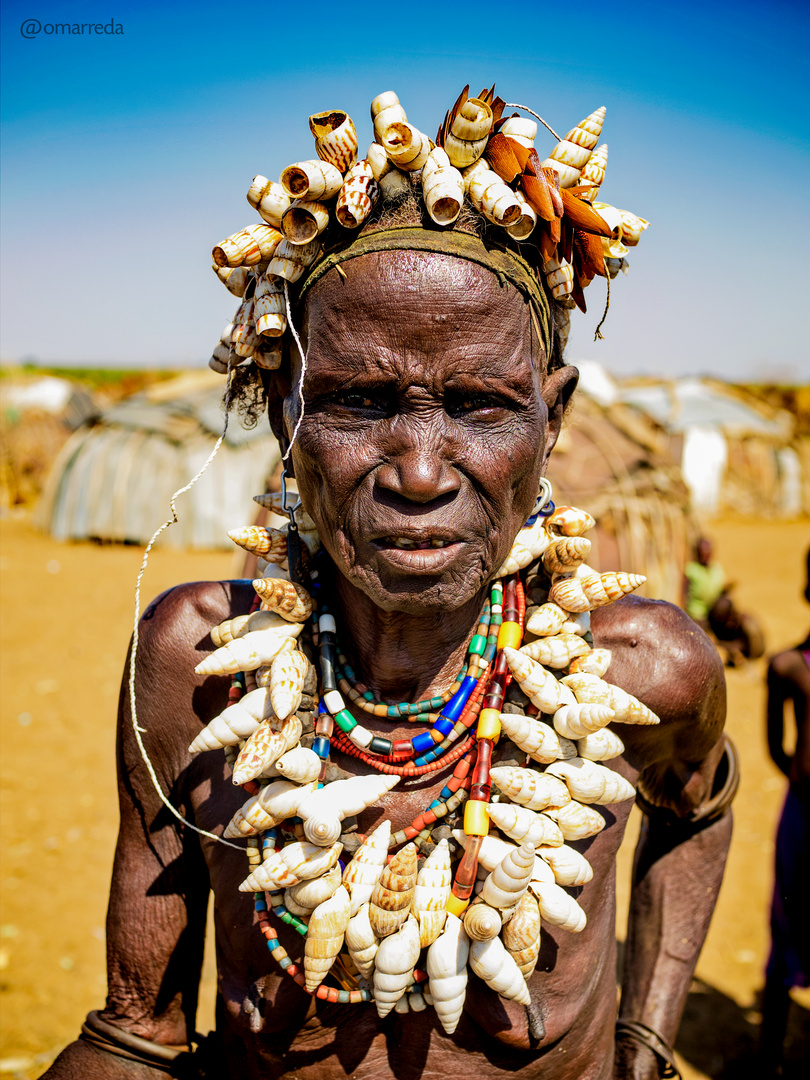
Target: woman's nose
[419,474]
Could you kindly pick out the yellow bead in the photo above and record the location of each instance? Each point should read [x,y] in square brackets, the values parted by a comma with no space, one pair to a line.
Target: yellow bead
[489,724]
[456,906]
[476,818]
[509,635]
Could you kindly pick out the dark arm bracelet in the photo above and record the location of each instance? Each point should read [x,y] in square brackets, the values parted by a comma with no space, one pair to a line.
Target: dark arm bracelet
[115,1040]
[664,1054]
[726,783]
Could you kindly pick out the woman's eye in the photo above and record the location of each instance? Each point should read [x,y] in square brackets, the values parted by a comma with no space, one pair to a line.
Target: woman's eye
[464,404]
[354,399]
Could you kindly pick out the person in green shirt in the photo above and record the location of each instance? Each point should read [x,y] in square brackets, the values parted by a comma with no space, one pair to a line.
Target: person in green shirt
[707,601]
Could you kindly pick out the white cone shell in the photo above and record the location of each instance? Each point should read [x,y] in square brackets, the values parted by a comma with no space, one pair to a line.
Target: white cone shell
[233,724]
[249,652]
[535,790]
[393,965]
[592,689]
[577,821]
[604,745]
[523,824]
[361,941]
[363,872]
[327,926]
[494,850]
[509,880]
[569,866]
[590,782]
[447,972]
[576,721]
[432,891]
[539,685]
[537,739]
[491,962]
[323,811]
[558,907]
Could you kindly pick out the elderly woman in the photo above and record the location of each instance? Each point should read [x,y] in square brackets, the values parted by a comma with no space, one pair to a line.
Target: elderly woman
[417,412]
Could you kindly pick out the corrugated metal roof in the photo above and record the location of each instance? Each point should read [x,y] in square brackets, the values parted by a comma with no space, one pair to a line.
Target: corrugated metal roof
[694,403]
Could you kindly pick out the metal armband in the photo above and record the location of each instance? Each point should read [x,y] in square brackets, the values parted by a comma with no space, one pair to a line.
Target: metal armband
[175,1061]
[726,783]
[646,1036]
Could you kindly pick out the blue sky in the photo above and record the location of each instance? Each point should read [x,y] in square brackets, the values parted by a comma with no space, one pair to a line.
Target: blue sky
[126,157]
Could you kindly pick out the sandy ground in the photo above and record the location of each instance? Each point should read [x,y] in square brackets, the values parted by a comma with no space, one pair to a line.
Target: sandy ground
[66,619]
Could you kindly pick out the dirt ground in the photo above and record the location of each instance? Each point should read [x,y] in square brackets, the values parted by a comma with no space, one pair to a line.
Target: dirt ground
[66,616]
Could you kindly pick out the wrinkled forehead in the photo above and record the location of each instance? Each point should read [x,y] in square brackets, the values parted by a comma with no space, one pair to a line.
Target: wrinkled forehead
[416,307]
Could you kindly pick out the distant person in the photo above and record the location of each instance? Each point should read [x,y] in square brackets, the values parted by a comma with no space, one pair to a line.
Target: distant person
[789,962]
[707,601]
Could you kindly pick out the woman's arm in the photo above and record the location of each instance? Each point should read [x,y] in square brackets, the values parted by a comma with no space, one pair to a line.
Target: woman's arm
[686,778]
[159,892]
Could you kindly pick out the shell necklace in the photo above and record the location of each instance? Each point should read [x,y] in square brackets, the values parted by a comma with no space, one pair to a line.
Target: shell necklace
[368,916]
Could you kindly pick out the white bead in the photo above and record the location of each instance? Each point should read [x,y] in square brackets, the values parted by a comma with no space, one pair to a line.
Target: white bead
[333,700]
[361,736]
[326,624]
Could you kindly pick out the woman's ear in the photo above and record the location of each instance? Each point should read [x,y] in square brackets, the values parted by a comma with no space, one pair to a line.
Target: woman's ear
[557,390]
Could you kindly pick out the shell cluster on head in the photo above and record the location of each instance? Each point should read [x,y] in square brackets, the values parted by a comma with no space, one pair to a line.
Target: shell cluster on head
[481,154]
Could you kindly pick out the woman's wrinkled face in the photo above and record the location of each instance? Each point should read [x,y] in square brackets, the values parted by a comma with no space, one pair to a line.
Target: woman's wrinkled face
[425,428]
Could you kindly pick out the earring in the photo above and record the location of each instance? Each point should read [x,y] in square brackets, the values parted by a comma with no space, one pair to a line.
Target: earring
[543,506]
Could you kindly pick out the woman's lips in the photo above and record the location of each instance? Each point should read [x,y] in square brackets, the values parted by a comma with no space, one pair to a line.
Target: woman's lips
[425,555]
[406,543]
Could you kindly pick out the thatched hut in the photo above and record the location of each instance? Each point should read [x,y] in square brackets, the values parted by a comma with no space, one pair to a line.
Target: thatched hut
[622,467]
[114,478]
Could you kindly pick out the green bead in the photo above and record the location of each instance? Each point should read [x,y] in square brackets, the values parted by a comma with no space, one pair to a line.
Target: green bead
[436,704]
[345,721]
[477,645]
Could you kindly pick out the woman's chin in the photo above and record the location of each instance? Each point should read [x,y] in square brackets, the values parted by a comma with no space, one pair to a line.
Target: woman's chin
[419,581]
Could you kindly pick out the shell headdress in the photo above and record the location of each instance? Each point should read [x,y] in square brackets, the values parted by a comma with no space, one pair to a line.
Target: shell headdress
[483,154]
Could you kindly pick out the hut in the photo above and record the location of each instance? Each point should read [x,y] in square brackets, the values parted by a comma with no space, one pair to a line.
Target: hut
[37,415]
[114,478]
[739,454]
[622,466]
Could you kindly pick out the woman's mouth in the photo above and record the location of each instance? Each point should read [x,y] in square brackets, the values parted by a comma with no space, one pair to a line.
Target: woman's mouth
[405,543]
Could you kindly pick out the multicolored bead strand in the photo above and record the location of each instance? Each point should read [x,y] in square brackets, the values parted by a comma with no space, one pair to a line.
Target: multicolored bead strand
[476,818]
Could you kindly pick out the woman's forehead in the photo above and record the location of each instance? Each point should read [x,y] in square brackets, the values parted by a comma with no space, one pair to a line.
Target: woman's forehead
[407,304]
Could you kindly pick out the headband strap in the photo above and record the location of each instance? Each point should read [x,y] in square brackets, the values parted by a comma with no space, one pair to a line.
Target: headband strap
[507,265]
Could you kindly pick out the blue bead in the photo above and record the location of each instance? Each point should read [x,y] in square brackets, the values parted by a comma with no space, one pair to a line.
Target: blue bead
[443,725]
[423,742]
[321,746]
[455,706]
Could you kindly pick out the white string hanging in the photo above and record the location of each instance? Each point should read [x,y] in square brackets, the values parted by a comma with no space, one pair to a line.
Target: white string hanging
[140,731]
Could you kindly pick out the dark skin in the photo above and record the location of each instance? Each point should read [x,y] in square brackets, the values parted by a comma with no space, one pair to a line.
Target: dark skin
[788,682]
[429,417]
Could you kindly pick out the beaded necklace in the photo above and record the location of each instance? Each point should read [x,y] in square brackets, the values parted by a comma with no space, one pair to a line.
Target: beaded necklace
[446,726]
[465,724]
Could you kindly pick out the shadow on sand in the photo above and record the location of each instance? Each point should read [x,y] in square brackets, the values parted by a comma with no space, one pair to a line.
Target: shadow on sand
[721,1039]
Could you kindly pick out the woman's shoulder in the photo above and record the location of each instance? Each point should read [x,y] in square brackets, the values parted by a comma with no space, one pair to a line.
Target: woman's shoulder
[184,614]
[662,657]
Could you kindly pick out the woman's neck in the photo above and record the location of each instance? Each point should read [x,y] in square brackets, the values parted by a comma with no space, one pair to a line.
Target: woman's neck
[401,656]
